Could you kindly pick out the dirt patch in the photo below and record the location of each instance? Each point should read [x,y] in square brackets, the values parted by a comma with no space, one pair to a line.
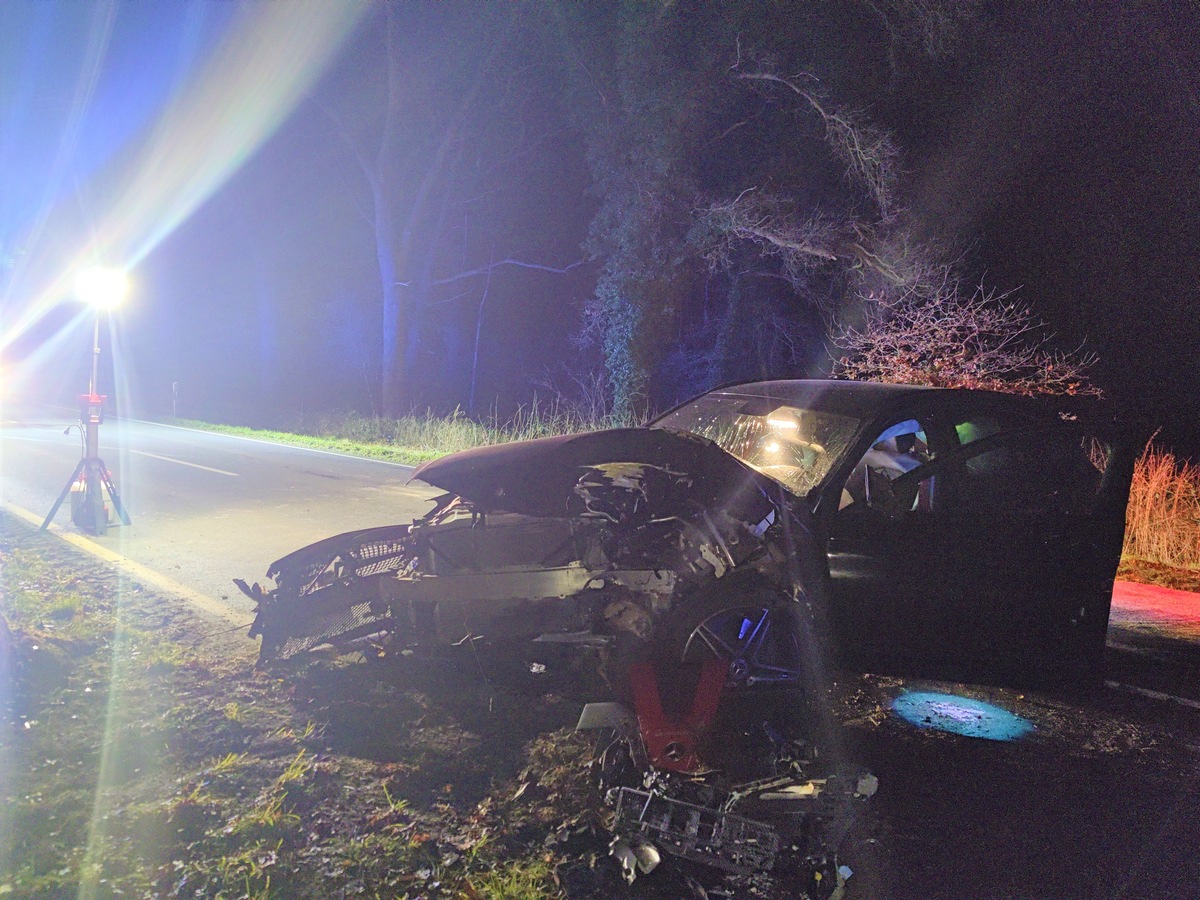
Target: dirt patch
[1146,572]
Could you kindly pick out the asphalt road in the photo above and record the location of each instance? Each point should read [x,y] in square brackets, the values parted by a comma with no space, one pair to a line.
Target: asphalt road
[206,508]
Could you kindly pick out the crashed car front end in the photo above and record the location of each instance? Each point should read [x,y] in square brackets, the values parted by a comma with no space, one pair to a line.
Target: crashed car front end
[569,540]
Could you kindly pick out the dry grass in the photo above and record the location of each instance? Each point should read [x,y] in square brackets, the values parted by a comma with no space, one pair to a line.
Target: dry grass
[413,439]
[1162,524]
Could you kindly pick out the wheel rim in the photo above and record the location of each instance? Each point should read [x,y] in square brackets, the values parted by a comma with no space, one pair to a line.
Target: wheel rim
[756,642]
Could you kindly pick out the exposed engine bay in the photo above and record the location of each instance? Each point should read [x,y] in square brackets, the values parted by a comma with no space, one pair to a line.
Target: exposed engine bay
[622,546]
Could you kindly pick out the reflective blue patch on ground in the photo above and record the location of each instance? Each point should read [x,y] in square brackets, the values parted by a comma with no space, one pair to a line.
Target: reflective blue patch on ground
[960,715]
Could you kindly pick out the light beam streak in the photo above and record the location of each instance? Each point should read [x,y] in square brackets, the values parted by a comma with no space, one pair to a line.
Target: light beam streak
[270,57]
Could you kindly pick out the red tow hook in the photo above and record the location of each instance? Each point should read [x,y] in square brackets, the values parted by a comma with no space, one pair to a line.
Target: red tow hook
[670,744]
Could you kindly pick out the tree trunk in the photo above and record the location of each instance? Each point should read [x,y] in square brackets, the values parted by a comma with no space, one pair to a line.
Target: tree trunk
[394,315]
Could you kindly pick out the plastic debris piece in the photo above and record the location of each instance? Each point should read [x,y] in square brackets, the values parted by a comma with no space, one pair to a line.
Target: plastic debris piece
[807,790]
[867,785]
[648,857]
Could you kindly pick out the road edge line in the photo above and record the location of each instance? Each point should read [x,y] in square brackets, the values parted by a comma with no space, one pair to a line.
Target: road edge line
[136,570]
[245,437]
[1153,695]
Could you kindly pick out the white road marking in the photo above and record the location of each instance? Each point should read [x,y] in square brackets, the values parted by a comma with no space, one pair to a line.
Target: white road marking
[185,463]
[254,440]
[137,571]
[1154,695]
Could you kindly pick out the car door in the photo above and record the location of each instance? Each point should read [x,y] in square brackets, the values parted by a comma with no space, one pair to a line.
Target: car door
[884,552]
[1037,518]
[1009,565]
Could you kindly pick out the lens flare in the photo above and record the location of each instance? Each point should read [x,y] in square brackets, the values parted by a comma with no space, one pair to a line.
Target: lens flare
[101,288]
[268,60]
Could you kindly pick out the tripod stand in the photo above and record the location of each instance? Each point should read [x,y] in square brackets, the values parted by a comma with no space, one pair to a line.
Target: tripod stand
[90,513]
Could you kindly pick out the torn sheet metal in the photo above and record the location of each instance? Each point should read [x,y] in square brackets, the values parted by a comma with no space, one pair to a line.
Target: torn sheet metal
[627,543]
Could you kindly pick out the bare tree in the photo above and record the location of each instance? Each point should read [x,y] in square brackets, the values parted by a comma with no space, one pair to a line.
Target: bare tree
[868,152]
[882,258]
[903,316]
[869,245]
[953,339]
[430,169]
[935,27]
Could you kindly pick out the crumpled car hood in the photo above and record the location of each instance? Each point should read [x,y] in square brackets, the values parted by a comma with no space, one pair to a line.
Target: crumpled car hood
[533,477]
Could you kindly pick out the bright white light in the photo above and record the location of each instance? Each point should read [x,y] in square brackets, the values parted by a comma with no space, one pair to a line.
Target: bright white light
[783,423]
[772,447]
[102,288]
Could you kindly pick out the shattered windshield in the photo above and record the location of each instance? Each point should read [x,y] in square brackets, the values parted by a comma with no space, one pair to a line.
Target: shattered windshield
[792,443]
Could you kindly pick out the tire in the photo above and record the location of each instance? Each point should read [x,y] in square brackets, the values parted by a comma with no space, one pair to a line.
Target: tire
[742,621]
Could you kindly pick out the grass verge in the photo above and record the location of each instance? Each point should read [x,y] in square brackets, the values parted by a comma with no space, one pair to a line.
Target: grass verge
[414,439]
[141,755]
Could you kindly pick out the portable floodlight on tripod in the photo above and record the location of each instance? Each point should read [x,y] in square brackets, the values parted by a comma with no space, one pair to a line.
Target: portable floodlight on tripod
[103,289]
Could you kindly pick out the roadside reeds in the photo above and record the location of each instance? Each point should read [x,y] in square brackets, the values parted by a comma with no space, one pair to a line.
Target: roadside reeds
[1162,523]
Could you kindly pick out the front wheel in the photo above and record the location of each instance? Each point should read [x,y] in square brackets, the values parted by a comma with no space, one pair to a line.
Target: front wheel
[752,630]
[747,625]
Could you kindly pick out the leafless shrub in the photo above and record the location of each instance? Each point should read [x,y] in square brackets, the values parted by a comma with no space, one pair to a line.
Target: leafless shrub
[952,339]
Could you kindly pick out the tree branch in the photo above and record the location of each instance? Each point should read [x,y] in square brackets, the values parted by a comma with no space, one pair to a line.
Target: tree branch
[486,270]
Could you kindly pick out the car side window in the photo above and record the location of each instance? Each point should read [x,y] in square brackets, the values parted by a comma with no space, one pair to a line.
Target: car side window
[976,428]
[1034,474]
[898,450]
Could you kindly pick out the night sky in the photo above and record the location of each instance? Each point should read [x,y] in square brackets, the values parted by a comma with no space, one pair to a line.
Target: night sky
[215,147]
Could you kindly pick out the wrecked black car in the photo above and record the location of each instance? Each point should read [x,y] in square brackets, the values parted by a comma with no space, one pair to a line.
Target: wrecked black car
[932,526]
[730,549]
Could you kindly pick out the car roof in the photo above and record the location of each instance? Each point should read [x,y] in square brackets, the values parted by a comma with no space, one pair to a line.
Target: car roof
[864,399]
[852,397]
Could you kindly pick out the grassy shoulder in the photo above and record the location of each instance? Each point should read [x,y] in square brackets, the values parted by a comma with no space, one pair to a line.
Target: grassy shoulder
[142,755]
[412,440]
[409,456]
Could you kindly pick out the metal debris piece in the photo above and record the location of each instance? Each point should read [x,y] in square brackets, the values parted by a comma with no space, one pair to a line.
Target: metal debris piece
[725,840]
[636,858]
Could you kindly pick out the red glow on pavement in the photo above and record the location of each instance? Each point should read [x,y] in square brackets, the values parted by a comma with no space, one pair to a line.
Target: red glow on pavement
[1166,609]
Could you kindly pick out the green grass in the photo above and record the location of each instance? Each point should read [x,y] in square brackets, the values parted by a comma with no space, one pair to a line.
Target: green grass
[414,439]
[528,879]
[139,761]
